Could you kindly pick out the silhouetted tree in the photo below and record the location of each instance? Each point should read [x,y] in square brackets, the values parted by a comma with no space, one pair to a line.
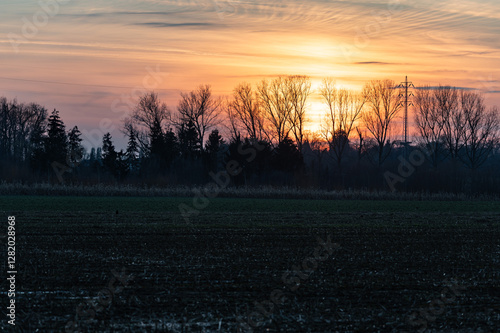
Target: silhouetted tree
[276,101]
[212,149]
[384,103]
[132,151]
[75,148]
[151,112]
[38,155]
[453,121]
[148,120]
[109,155]
[122,166]
[287,156]
[92,156]
[22,133]
[157,142]
[56,143]
[481,131]
[98,164]
[201,109]
[245,109]
[299,90]
[429,121]
[233,123]
[344,110]
[339,139]
[214,142]
[188,140]
[255,159]
[171,147]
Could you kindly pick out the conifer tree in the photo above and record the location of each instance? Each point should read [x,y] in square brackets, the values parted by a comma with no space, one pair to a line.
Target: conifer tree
[188,140]
[132,151]
[56,143]
[75,149]
[109,154]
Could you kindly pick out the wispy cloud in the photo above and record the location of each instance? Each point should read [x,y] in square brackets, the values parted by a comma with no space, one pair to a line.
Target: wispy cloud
[441,87]
[175,25]
[373,63]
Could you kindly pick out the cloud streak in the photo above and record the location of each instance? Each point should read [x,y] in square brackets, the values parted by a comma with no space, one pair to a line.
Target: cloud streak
[175,25]
[373,63]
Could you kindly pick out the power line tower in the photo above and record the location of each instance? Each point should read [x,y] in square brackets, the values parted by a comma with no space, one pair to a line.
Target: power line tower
[406,85]
[406,93]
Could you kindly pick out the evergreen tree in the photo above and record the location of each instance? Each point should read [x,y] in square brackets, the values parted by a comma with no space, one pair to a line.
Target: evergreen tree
[92,156]
[255,162]
[75,149]
[287,156]
[121,165]
[109,154]
[171,147]
[188,140]
[212,149]
[56,143]
[96,163]
[131,154]
[214,142]
[38,156]
[157,145]
[98,155]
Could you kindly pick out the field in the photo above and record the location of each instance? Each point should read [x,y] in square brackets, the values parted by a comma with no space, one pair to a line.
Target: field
[268,265]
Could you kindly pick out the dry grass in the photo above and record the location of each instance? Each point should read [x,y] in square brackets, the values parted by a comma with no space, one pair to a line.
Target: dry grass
[227,192]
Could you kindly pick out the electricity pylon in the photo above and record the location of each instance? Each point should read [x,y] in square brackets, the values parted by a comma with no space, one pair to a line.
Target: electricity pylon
[406,85]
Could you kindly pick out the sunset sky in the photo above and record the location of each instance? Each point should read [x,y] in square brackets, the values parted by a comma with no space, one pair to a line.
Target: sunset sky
[87,58]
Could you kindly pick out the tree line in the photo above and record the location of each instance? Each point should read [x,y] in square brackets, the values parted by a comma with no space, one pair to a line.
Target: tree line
[456,138]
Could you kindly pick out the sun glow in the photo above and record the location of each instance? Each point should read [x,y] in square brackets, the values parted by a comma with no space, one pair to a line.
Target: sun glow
[316,116]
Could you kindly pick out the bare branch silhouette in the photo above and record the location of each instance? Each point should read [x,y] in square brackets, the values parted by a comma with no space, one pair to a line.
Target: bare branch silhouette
[202,108]
[245,105]
[383,103]
[344,110]
[276,102]
[299,89]
[429,123]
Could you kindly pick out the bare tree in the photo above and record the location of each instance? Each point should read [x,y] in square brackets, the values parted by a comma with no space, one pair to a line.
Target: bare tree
[480,134]
[36,123]
[142,135]
[299,90]
[24,117]
[233,119]
[9,125]
[429,122]
[277,106]
[246,107]
[202,108]
[384,103]
[359,145]
[452,116]
[149,119]
[344,109]
[151,111]
[19,124]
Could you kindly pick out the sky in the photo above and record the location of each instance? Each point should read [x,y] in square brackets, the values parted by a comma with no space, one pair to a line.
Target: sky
[92,59]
